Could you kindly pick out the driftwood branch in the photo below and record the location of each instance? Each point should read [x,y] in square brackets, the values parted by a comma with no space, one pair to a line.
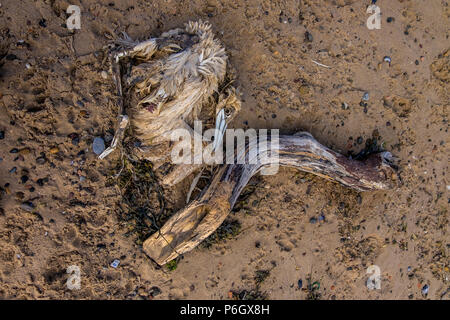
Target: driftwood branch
[191,225]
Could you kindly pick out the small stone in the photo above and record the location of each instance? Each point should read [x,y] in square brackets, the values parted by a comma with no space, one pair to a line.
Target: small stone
[40,160]
[40,182]
[154,291]
[54,150]
[11,57]
[312,220]
[308,36]
[43,23]
[24,178]
[75,138]
[27,65]
[425,289]
[104,74]
[344,106]
[20,195]
[390,19]
[115,263]
[98,145]
[27,206]
[359,199]
[365,96]
[2,135]
[387,59]
[322,217]
[300,283]
[359,140]
[14,150]
[13,170]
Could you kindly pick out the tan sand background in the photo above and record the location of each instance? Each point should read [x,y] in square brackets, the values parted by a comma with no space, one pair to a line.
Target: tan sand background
[75,216]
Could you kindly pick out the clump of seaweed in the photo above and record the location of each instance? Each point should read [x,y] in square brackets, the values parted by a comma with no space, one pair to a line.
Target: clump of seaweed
[255,293]
[228,229]
[261,275]
[172,265]
[143,209]
[313,290]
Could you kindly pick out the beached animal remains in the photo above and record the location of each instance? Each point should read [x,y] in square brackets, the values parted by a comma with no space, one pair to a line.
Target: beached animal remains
[183,76]
[172,81]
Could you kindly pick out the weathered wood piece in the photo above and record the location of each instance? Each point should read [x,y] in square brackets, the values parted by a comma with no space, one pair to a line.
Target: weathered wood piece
[191,225]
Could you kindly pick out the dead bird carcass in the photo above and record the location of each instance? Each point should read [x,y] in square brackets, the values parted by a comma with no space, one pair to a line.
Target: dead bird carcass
[170,82]
[180,77]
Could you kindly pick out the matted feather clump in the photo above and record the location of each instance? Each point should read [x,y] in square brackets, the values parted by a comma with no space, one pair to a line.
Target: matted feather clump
[169,82]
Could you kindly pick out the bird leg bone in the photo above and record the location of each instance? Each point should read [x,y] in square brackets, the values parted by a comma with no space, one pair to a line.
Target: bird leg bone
[201,217]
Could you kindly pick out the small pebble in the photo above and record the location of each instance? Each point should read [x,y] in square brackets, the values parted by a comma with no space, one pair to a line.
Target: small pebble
[409,269]
[365,96]
[40,160]
[104,74]
[425,289]
[300,283]
[13,170]
[321,217]
[387,59]
[27,65]
[390,19]
[27,206]
[75,138]
[313,220]
[40,182]
[359,140]
[2,135]
[54,150]
[359,199]
[11,57]
[98,145]
[43,23]
[14,150]
[308,36]
[115,263]
[24,179]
